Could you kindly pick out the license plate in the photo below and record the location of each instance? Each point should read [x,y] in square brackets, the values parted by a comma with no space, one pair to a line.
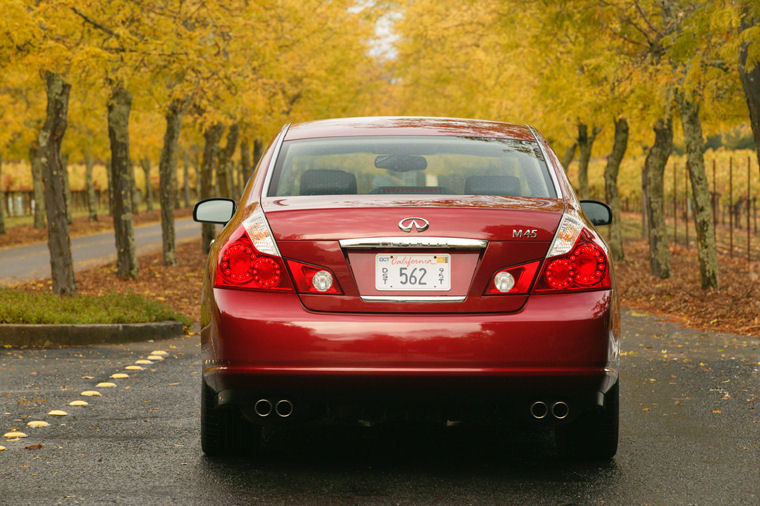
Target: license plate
[413,272]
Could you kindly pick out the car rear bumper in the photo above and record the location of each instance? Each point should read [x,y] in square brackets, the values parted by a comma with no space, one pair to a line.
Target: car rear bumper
[265,345]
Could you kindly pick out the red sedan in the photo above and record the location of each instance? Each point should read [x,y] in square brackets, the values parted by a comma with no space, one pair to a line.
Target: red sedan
[381,269]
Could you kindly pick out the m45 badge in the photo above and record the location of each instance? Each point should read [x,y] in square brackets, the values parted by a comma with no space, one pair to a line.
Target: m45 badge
[528,233]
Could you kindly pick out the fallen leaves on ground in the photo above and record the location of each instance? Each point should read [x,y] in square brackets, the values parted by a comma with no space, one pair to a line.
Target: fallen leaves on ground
[14,434]
[734,307]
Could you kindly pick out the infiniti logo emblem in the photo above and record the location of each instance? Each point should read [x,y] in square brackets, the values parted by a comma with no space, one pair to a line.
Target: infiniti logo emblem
[419,224]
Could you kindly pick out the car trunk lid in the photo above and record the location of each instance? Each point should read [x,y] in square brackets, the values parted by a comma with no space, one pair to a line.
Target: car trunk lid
[466,241]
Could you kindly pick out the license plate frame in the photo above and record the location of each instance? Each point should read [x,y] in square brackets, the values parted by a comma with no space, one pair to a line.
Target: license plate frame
[404,272]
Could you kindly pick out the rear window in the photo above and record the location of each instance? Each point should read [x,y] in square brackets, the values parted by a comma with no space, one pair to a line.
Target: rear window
[411,165]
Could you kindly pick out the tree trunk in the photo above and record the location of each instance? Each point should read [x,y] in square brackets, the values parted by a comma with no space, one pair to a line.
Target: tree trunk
[611,187]
[750,78]
[585,143]
[245,164]
[186,174]
[258,151]
[133,194]
[110,186]
[118,133]
[37,188]
[145,164]
[197,169]
[211,136]
[654,170]
[695,163]
[92,203]
[66,188]
[2,199]
[569,155]
[50,138]
[175,178]
[168,181]
[644,203]
[224,166]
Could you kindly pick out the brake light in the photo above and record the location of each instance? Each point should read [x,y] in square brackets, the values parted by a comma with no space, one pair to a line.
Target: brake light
[250,260]
[584,267]
[513,280]
[313,279]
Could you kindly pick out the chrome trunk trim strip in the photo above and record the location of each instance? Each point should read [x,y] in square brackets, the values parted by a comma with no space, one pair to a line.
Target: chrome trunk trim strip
[412,298]
[414,242]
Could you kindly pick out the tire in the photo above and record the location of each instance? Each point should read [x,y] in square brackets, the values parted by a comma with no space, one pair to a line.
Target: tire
[593,436]
[224,431]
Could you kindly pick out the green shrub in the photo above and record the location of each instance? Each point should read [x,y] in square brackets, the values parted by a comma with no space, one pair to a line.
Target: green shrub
[19,306]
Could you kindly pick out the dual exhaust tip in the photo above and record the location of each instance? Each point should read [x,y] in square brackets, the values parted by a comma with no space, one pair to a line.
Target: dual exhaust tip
[282,408]
[540,410]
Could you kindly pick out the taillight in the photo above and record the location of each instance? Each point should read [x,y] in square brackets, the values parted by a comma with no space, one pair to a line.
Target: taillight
[513,280]
[250,260]
[313,279]
[584,267]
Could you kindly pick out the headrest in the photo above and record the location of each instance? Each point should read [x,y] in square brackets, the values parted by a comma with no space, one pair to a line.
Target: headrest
[327,182]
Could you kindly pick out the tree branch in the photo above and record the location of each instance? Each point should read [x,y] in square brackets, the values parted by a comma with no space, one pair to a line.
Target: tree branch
[95,23]
[646,20]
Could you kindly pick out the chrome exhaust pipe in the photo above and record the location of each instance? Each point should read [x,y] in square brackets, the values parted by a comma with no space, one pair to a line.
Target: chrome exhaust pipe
[560,410]
[284,408]
[263,407]
[539,410]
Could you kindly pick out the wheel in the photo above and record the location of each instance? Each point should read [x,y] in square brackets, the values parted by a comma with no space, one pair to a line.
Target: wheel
[224,431]
[595,435]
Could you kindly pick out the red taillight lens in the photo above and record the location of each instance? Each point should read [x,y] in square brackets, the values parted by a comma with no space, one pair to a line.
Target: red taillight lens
[236,264]
[584,267]
[590,264]
[241,265]
[521,274]
[559,273]
[313,278]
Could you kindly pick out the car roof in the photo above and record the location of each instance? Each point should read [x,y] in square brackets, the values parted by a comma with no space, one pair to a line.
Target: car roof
[408,125]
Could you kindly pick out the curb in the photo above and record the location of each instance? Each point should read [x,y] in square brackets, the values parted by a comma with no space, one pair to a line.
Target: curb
[41,335]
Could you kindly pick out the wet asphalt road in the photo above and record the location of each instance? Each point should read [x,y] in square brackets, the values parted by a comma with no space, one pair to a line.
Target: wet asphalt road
[689,435]
[32,261]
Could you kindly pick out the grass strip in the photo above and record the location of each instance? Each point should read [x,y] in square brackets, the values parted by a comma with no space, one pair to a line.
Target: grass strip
[20,306]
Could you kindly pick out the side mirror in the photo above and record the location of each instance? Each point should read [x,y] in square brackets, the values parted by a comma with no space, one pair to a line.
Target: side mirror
[598,212]
[214,211]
